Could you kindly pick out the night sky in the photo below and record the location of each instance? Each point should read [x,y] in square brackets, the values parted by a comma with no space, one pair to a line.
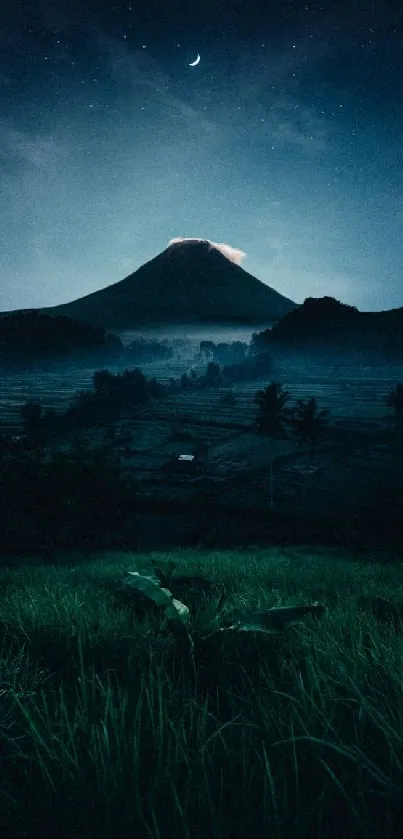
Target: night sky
[285,142]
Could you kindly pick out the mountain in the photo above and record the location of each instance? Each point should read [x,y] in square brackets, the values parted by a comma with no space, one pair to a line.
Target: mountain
[189,282]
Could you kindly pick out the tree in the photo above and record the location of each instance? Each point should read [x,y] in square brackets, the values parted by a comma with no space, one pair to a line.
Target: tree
[206,351]
[273,414]
[132,385]
[272,418]
[82,411]
[307,422]
[102,381]
[395,401]
[155,389]
[213,374]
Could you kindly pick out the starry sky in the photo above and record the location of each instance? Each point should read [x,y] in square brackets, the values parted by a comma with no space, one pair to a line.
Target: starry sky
[285,142]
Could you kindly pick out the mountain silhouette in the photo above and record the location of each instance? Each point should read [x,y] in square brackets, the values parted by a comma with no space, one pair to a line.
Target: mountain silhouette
[322,323]
[188,282]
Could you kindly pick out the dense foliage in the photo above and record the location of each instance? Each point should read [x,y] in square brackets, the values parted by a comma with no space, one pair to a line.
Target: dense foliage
[26,337]
[112,394]
[307,422]
[60,500]
[274,413]
[325,322]
[148,349]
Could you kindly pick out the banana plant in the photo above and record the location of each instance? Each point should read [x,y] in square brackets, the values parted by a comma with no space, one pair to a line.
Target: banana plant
[167,577]
[272,621]
[151,588]
[210,622]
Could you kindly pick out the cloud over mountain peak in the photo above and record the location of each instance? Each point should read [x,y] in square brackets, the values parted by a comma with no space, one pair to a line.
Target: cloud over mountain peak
[233,254]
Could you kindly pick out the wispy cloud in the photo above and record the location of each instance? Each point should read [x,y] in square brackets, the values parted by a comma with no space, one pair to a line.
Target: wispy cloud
[32,148]
[268,88]
[295,124]
[233,254]
[142,73]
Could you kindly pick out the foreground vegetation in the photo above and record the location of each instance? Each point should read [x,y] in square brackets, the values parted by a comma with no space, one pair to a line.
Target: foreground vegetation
[110,726]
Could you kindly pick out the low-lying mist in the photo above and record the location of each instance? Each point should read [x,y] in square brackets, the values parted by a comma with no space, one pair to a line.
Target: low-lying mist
[194,332]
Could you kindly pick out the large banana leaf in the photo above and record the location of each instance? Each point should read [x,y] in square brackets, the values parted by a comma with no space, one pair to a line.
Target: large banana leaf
[162,597]
[272,621]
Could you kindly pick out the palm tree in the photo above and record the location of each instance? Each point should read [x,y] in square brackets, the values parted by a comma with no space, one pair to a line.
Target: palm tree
[307,422]
[272,418]
[395,401]
[273,414]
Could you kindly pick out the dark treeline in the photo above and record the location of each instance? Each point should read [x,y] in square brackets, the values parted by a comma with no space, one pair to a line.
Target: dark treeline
[37,339]
[112,394]
[27,337]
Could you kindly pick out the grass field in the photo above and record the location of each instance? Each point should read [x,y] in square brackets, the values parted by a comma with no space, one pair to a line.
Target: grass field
[110,728]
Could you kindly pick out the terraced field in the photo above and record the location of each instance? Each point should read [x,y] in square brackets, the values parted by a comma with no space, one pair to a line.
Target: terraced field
[352,393]
[358,396]
[53,390]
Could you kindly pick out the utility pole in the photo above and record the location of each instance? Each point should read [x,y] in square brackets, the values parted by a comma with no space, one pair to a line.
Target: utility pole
[271,487]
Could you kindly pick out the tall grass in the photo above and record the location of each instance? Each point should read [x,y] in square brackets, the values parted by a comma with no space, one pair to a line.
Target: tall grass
[106,732]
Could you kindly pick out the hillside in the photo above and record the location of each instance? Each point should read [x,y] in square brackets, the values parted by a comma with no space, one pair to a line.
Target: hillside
[189,282]
[28,337]
[324,322]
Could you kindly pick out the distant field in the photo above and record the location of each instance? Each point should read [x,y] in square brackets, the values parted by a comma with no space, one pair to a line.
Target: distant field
[354,393]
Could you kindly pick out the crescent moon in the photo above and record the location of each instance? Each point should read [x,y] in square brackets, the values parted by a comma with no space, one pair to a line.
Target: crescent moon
[193,64]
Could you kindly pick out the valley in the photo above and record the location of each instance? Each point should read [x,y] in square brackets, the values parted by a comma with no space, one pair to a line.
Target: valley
[336,480]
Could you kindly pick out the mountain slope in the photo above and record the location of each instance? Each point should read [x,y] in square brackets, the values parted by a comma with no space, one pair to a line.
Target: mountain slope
[189,282]
[324,322]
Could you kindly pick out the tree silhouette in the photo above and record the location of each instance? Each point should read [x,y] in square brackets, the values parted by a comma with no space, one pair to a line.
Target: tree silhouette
[102,381]
[273,414]
[395,401]
[273,418]
[213,374]
[307,422]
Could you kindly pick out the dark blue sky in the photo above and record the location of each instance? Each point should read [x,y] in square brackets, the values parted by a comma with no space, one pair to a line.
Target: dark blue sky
[285,142]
